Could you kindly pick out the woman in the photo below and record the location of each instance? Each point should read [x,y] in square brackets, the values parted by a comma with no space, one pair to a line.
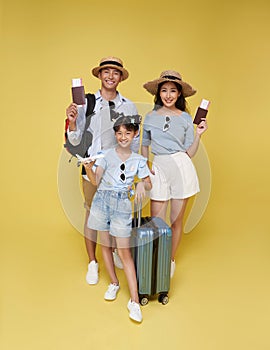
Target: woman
[169,130]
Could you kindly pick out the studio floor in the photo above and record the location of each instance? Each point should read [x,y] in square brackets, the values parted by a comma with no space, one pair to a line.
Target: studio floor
[219,297]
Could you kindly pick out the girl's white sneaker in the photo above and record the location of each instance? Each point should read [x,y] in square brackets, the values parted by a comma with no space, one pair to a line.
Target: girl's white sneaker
[134,311]
[173,266]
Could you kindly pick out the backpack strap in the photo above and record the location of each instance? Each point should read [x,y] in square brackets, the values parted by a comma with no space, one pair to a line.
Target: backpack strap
[91,102]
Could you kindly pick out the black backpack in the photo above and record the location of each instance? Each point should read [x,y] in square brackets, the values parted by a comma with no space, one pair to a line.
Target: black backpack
[87,137]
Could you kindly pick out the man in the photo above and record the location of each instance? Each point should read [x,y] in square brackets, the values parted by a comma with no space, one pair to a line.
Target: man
[108,100]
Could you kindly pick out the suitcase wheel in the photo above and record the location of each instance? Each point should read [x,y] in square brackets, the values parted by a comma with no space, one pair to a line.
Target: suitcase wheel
[143,300]
[163,298]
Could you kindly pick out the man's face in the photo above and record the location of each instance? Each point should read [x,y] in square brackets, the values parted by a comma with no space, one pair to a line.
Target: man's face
[110,78]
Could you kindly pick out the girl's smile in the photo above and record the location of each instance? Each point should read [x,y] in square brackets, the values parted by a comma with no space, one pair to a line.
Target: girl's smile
[124,137]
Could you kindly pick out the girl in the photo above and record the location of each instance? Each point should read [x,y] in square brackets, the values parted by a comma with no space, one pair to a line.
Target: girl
[111,211]
[169,130]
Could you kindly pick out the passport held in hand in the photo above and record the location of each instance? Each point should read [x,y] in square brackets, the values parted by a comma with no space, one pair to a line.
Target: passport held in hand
[201,111]
[77,90]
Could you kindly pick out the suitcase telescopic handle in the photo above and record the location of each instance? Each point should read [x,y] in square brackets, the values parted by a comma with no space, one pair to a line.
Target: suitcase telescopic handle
[138,213]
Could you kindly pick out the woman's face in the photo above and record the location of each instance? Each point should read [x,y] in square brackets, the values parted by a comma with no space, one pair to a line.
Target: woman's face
[169,94]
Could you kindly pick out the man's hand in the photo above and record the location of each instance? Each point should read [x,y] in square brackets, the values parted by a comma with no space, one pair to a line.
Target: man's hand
[72,115]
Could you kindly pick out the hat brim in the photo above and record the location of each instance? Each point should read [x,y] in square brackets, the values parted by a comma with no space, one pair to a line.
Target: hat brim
[96,70]
[152,86]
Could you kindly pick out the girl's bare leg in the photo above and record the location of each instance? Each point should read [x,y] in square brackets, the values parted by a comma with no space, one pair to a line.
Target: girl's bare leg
[129,268]
[106,249]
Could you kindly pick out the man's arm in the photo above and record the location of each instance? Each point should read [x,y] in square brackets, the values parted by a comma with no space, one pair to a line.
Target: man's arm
[76,118]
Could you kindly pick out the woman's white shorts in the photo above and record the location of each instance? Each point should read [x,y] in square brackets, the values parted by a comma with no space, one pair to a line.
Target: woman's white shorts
[175,177]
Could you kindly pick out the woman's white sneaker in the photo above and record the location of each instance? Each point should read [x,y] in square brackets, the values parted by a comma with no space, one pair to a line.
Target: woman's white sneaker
[134,311]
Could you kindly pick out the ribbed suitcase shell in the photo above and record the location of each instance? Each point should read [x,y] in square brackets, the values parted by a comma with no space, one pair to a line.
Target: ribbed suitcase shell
[152,256]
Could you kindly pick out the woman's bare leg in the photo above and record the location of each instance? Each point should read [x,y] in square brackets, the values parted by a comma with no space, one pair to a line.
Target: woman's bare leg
[178,207]
[159,208]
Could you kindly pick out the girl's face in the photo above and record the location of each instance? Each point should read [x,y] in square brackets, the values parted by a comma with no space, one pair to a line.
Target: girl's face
[124,137]
[169,94]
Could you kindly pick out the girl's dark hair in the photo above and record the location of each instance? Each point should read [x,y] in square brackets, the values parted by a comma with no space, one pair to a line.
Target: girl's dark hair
[130,122]
[179,104]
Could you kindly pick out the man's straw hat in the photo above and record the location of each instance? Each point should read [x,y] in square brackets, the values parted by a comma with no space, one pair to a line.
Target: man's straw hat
[111,62]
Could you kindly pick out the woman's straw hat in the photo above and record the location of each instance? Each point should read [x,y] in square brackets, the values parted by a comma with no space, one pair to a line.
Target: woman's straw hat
[111,62]
[169,75]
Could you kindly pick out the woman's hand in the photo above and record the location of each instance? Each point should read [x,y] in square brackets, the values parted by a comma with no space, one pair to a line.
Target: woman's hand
[202,127]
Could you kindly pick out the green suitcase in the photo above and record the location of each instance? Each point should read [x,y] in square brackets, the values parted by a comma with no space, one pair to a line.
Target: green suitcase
[152,244]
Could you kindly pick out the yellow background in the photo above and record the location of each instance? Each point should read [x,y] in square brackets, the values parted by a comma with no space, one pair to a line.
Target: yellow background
[219,298]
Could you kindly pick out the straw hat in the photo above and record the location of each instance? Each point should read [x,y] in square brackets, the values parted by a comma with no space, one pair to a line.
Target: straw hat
[111,62]
[169,75]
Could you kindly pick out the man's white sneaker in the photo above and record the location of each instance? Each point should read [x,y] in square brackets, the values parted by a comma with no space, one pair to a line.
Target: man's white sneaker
[117,260]
[173,266]
[134,311]
[111,292]
[92,273]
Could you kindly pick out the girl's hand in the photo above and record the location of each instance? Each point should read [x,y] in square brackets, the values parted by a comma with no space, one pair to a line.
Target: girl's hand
[202,127]
[140,192]
[89,165]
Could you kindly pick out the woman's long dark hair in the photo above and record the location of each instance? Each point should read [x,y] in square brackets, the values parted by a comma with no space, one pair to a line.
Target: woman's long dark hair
[179,104]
